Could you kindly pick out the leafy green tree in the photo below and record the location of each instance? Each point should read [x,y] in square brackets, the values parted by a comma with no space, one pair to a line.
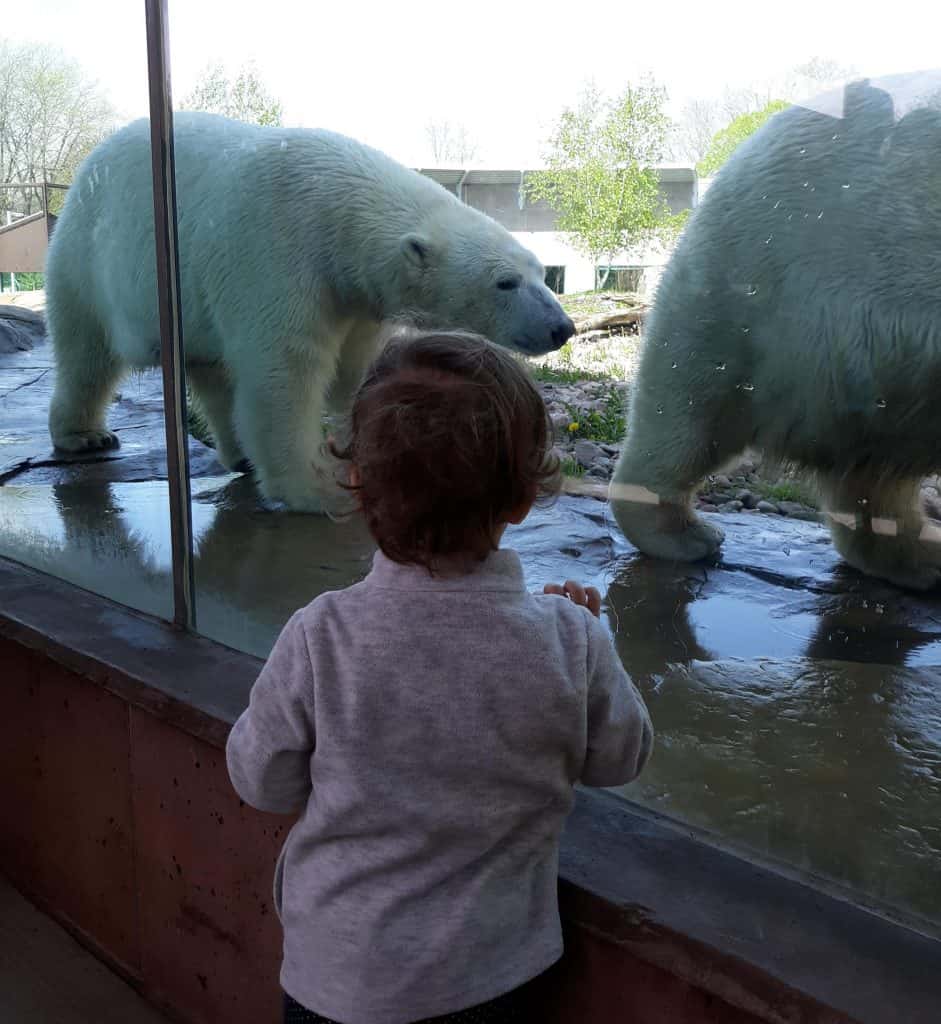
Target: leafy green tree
[51,116]
[725,142]
[601,176]
[244,98]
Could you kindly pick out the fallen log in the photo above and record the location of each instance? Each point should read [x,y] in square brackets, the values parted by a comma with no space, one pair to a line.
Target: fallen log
[605,321]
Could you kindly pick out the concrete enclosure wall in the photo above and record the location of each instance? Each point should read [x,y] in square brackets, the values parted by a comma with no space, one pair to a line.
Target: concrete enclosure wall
[119,820]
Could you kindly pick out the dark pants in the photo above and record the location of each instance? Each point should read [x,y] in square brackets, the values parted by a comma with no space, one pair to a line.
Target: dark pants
[515,1007]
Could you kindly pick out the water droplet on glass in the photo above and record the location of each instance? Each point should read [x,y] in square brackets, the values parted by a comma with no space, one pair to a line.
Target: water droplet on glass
[746,330]
[720,366]
[862,501]
[846,186]
[789,216]
[649,455]
[659,410]
[748,386]
[820,215]
[753,289]
[690,402]
[765,196]
[881,403]
[835,137]
[880,609]
[803,150]
[806,183]
[768,239]
[777,204]
[672,366]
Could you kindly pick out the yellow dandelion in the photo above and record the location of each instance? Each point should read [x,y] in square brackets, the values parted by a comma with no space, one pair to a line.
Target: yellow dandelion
[573,427]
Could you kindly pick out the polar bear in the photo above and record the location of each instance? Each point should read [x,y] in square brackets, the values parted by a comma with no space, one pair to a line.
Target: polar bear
[295,247]
[801,314]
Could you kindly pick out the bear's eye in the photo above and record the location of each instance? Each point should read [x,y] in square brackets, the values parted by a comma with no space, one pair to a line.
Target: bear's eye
[509,284]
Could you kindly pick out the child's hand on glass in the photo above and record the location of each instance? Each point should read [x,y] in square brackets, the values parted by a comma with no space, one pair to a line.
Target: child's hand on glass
[577,594]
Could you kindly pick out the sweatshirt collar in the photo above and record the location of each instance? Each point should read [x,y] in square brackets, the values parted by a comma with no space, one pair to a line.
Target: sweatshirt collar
[500,570]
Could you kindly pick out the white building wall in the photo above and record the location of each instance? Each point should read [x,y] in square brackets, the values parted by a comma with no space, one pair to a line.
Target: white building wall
[554,249]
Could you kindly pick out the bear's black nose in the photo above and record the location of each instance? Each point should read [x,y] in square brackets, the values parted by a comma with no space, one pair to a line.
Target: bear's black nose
[562,333]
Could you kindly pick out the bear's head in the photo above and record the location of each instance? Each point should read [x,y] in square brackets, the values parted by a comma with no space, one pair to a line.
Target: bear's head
[463,270]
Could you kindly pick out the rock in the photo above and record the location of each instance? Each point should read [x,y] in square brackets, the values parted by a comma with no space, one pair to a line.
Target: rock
[717,497]
[791,508]
[806,514]
[20,329]
[615,453]
[705,506]
[731,506]
[587,453]
[747,499]
[767,507]
[599,472]
[559,421]
[722,482]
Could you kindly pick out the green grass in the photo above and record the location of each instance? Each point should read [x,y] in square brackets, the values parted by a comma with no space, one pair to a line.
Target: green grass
[580,304]
[571,468]
[566,375]
[606,425]
[609,359]
[791,490]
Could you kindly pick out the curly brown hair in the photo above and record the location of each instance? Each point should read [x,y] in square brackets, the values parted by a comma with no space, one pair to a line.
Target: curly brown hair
[449,439]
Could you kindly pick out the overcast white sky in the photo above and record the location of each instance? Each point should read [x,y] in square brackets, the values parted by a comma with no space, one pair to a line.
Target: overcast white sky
[379,71]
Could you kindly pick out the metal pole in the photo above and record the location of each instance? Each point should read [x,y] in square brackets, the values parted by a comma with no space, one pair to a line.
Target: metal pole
[171,321]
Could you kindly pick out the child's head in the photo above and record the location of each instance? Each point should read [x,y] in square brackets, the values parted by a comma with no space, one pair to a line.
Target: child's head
[449,441]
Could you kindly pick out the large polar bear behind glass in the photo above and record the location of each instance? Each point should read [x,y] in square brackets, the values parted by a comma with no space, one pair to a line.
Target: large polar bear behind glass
[801,314]
[295,247]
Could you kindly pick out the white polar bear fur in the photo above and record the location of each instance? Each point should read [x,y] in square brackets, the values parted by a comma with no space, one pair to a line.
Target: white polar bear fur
[295,246]
[801,315]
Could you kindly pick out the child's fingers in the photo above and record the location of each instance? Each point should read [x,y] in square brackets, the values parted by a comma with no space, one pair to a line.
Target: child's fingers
[577,594]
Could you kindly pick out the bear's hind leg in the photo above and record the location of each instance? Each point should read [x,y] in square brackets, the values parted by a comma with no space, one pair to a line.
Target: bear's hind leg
[878,528]
[87,373]
[214,397]
[668,451]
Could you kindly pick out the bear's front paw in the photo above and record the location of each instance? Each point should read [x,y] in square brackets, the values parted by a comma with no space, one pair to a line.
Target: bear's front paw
[668,531]
[291,498]
[86,441]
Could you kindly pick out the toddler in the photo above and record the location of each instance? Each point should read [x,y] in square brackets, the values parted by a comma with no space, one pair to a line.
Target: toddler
[430,722]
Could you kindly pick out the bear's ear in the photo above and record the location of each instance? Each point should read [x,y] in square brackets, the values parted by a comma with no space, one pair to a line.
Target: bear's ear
[417,249]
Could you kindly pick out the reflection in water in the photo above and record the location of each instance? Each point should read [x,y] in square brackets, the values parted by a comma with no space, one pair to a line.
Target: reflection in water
[797,703]
[785,720]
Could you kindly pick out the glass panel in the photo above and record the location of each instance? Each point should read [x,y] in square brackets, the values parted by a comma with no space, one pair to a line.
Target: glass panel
[796,698]
[89,512]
